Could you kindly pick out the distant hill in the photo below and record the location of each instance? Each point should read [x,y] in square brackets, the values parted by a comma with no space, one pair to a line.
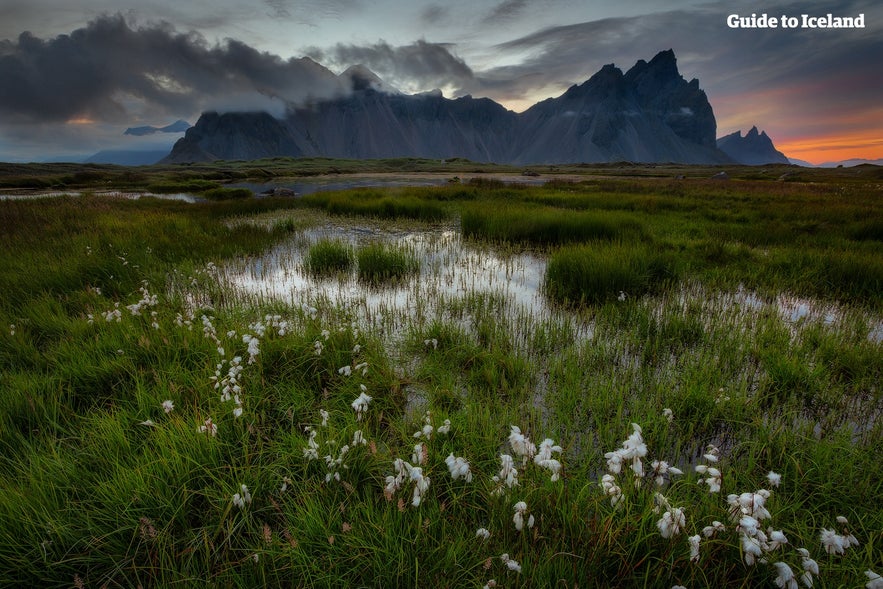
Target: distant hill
[123,157]
[754,149]
[178,126]
[648,114]
[844,163]
[851,162]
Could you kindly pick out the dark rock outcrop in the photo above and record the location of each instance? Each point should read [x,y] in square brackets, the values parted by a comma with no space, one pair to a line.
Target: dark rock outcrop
[648,114]
[754,149]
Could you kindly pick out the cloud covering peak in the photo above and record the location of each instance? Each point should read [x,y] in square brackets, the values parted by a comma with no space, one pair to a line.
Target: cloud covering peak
[113,71]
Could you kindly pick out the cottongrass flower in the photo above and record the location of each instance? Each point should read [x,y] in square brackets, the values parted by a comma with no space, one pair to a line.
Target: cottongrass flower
[360,405]
[714,528]
[114,314]
[712,453]
[147,422]
[335,465]
[633,448]
[324,415]
[776,538]
[751,548]
[518,518]
[660,468]
[208,427]
[834,543]
[668,415]
[458,467]
[253,347]
[810,567]
[611,489]
[445,428]
[359,438]
[521,445]
[694,547]
[752,504]
[672,522]
[511,564]
[544,459]
[875,581]
[714,478]
[311,452]
[420,454]
[775,479]
[431,342]
[345,370]
[427,429]
[395,482]
[508,475]
[785,576]
[168,406]
[482,533]
[421,484]
[243,498]
[850,539]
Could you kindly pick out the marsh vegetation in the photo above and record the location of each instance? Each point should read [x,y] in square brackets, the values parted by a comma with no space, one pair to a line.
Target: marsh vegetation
[437,386]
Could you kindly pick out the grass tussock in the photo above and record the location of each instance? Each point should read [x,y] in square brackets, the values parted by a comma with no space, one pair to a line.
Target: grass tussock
[544,226]
[379,262]
[329,256]
[597,272]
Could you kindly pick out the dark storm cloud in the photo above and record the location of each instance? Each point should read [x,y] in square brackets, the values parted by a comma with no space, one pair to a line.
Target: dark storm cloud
[429,65]
[99,71]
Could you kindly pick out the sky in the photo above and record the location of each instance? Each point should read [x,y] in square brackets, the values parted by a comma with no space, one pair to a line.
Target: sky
[75,74]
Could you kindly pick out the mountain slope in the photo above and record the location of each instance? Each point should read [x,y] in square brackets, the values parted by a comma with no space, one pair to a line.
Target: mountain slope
[753,150]
[648,114]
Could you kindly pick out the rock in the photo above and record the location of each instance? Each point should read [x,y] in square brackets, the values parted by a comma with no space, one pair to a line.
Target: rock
[755,149]
[649,114]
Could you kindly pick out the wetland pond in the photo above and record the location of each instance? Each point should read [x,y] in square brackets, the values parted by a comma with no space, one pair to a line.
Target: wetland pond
[455,272]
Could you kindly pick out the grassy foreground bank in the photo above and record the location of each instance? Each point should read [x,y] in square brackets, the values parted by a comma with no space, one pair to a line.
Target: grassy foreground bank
[159,431]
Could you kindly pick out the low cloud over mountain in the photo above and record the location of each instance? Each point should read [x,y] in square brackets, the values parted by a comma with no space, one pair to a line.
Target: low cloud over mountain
[648,114]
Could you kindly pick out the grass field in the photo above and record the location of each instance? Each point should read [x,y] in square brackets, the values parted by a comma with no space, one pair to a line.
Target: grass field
[697,404]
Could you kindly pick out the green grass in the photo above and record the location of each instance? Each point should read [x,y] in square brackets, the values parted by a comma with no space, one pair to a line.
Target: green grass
[92,496]
[329,257]
[378,263]
[597,272]
[545,225]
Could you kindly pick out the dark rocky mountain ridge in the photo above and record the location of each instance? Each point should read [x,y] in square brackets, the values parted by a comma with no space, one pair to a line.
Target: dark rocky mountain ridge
[648,114]
[754,149]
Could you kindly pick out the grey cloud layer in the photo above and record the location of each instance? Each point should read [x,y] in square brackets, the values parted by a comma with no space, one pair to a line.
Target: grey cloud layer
[430,65]
[99,70]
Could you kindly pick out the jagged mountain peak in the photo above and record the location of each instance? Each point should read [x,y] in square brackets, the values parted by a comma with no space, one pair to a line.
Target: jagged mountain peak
[359,77]
[650,114]
[755,148]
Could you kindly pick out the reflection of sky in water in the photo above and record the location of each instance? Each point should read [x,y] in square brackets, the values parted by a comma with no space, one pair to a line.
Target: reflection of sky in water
[110,193]
[310,185]
[449,269]
[452,269]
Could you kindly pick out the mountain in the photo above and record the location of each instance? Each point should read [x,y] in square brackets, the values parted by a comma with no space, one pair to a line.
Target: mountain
[178,126]
[851,163]
[754,149]
[648,114]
